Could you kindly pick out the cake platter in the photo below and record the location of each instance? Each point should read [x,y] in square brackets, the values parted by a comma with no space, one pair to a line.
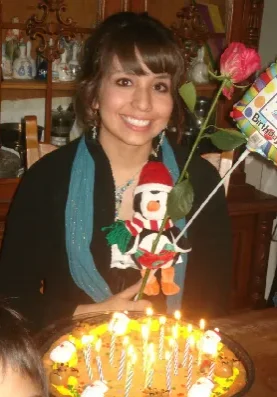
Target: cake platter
[48,336]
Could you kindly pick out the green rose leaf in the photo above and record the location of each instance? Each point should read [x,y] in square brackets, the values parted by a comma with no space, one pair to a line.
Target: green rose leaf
[227,139]
[188,94]
[180,200]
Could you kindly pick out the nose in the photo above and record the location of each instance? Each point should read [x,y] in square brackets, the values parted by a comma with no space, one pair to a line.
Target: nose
[153,206]
[142,99]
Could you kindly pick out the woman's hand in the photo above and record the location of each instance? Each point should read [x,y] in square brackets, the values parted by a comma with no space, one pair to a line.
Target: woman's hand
[119,302]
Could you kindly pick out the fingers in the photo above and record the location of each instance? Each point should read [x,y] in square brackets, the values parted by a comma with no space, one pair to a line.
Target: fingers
[130,292]
[140,305]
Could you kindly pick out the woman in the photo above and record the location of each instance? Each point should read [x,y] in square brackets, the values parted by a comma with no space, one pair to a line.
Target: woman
[55,257]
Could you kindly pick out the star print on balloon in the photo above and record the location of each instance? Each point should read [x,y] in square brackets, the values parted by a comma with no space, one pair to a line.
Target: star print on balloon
[256,113]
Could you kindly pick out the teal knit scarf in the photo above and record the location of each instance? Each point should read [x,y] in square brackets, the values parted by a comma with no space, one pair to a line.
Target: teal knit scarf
[79,227]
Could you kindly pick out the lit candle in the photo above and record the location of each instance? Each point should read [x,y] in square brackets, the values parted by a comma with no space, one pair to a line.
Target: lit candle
[177,316]
[149,314]
[130,374]
[122,358]
[190,364]
[98,360]
[161,338]
[189,375]
[145,336]
[168,357]
[86,342]
[187,347]
[202,325]
[175,349]
[150,369]
[117,326]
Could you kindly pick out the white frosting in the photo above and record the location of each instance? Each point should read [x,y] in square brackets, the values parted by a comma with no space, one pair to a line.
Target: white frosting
[119,323]
[202,388]
[63,352]
[98,389]
[209,342]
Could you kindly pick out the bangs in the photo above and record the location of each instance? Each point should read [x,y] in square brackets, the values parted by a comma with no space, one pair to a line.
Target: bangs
[157,53]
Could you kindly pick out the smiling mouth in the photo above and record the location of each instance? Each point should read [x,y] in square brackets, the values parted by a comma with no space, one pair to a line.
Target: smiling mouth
[136,122]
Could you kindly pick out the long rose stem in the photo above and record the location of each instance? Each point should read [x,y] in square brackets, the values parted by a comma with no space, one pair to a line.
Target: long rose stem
[181,177]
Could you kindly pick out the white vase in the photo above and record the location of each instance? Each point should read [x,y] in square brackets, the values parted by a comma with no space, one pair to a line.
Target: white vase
[22,68]
[63,69]
[29,57]
[6,64]
[200,72]
[74,63]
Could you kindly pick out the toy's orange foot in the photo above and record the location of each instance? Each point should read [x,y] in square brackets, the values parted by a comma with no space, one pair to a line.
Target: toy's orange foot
[170,288]
[152,289]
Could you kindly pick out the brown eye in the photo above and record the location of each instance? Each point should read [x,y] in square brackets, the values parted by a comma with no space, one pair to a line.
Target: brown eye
[124,82]
[161,87]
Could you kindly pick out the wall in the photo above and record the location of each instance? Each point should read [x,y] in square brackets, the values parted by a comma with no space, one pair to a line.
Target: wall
[260,172]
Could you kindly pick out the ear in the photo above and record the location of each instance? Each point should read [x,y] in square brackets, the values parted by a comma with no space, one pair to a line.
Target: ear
[95,105]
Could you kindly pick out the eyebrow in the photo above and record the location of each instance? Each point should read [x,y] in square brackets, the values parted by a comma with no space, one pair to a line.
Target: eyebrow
[130,72]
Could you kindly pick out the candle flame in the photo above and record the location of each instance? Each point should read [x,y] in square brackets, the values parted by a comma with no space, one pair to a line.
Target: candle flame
[177,315]
[86,339]
[133,358]
[171,342]
[98,345]
[202,324]
[145,331]
[125,341]
[151,348]
[162,320]
[149,311]
[191,341]
[175,332]
[189,328]
[131,350]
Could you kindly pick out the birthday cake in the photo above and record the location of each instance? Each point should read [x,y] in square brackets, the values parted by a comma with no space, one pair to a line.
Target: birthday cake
[148,355]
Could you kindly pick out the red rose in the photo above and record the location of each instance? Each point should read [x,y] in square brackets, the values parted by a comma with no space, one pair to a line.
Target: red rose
[238,63]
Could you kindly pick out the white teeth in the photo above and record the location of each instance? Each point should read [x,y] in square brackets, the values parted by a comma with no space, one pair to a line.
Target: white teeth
[136,122]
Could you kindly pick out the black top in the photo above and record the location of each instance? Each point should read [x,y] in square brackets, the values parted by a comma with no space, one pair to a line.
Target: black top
[34,244]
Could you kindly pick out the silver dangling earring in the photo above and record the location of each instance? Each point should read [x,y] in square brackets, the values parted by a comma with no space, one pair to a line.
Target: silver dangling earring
[156,150]
[94,132]
[94,128]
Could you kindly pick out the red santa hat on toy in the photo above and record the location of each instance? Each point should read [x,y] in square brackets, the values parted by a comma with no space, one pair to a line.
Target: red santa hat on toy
[154,176]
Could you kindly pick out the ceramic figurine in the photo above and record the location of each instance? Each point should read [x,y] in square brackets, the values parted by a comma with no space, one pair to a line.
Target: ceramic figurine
[29,57]
[12,39]
[200,72]
[22,68]
[6,64]
[63,68]
[74,65]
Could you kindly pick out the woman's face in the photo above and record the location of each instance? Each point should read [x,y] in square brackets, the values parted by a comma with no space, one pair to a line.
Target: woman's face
[15,384]
[134,109]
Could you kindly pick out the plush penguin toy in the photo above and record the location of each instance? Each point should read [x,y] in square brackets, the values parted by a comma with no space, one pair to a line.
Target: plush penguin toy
[150,203]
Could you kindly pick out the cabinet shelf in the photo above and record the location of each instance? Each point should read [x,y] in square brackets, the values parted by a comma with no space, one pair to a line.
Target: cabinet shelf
[14,84]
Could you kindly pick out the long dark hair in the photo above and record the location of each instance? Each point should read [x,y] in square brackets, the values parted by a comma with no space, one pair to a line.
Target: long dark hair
[121,34]
[17,349]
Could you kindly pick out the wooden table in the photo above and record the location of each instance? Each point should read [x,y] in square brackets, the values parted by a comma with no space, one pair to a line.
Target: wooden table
[256,331]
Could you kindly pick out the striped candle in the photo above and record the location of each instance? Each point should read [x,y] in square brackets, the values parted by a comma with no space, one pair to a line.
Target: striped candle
[112,348]
[187,346]
[168,357]
[122,358]
[190,369]
[161,337]
[129,375]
